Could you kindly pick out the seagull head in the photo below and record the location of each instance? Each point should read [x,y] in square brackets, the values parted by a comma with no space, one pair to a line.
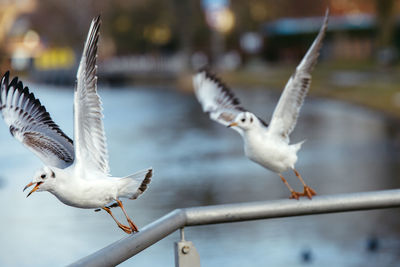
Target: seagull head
[43,180]
[244,120]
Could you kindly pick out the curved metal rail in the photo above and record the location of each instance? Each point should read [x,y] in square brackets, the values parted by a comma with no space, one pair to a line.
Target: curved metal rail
[127,247]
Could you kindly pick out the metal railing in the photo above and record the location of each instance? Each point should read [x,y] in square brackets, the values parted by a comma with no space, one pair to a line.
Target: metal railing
[127,247]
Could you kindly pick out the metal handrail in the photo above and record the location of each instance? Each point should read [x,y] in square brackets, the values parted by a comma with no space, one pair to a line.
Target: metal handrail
[129,246]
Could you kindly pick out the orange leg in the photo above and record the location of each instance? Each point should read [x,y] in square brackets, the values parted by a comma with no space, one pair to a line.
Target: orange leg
[294,194]
[125,228]
[308,191]
[133,226]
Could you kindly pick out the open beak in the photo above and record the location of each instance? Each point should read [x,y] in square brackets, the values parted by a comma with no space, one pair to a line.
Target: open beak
[34,189]
[232,124]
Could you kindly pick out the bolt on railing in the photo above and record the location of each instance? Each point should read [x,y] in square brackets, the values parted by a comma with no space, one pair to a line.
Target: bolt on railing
[127,247]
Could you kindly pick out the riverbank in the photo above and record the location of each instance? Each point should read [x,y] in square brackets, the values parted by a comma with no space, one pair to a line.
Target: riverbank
[362,83]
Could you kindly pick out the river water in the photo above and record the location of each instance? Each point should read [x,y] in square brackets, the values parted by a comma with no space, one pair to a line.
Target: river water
[198,162]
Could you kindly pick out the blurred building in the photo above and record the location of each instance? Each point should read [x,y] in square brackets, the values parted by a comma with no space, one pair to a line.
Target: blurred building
[349,37]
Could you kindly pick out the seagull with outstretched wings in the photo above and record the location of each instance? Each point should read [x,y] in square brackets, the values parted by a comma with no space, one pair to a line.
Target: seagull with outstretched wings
[77,173]
[266,144]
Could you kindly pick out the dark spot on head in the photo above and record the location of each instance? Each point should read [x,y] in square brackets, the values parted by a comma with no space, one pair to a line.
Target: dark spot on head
[251,119]
[53,175]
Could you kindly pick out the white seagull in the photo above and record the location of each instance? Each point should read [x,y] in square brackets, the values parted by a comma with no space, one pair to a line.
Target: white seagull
[77,173]
[267,145]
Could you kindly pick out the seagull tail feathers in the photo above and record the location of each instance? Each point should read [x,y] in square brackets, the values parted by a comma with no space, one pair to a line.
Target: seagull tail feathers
[134,185]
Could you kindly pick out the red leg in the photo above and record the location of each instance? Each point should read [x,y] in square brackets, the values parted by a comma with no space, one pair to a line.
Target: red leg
[125,228]
[308,191]
[133,226]
[294,194]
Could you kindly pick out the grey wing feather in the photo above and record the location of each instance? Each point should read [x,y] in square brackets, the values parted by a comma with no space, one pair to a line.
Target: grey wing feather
[215,98]
[89,136]
[31,124]
[287,110]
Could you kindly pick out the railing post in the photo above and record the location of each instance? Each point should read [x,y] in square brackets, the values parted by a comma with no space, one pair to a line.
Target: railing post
[186,253]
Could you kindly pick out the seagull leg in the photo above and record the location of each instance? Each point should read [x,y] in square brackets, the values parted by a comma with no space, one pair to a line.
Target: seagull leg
[125,228]
[308,191]
[294,194]
[133,226]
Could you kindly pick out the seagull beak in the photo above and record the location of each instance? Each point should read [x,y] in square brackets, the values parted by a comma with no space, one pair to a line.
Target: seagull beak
[232,124]
[34,189]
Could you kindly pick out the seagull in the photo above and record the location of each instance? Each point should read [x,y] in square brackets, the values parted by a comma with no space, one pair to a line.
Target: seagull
[265,144]
[77,173]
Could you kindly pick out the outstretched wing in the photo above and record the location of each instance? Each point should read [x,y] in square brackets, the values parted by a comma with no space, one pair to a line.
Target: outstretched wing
[215,98]
[31,124]
[89,136]
[287,110]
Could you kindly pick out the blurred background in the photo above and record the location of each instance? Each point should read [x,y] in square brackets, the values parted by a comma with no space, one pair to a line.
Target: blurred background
[148,51]
[252,43]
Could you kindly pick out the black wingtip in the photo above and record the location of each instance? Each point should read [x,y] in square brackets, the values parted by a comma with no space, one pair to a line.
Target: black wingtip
[6,85]
[6,75]
[5,78]
[205,68]
[14,82]
[97,20]
[210,75]
[30,101]
[20,85]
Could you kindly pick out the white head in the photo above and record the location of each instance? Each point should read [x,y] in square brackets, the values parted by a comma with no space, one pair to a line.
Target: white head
[245,121]
[44,180]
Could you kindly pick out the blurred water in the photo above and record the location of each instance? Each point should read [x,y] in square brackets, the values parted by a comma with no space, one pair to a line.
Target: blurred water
[198,162]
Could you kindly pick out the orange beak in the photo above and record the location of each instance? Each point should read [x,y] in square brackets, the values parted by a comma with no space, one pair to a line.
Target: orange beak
[34,189]
[232,124]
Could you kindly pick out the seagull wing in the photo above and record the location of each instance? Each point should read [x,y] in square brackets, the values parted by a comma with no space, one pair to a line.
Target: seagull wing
[287,110]
[31,124]
[89,136]
[215,98]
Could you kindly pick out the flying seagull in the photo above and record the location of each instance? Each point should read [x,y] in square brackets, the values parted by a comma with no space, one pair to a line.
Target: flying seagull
[77,173]
[265,144]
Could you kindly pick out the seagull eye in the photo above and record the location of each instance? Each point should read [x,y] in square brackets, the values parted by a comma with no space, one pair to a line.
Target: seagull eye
[243,120]
[43,176]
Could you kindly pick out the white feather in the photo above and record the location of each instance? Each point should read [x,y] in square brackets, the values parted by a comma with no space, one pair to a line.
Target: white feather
[287,110]
[90,141]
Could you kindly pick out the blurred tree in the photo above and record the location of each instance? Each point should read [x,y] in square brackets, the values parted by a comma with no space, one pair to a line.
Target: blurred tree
[155,26]
[386,22]
[183,25]
[62,22]
[385,12]
[141,26]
